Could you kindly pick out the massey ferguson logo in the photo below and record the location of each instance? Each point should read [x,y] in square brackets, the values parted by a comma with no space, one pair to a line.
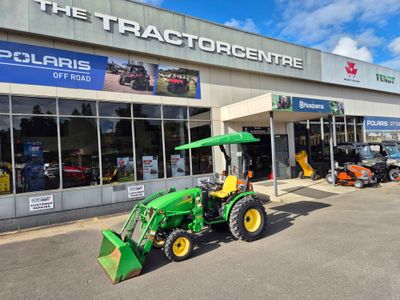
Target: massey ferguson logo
[351,69]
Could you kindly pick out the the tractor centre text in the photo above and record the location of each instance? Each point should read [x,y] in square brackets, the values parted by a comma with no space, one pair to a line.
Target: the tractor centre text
[172,37]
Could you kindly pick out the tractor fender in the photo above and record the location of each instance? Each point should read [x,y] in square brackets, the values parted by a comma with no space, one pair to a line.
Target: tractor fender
[231,203]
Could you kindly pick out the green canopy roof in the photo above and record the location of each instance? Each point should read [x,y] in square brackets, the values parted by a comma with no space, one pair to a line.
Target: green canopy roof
[225,139]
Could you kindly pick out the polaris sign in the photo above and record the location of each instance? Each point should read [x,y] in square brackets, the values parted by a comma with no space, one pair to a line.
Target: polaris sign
[381,123]
[26,64]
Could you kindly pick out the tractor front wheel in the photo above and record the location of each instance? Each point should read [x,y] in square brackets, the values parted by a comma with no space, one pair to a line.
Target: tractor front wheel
[178,246]
[248,219]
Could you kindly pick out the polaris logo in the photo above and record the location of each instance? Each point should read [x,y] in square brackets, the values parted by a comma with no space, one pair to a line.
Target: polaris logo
[377,123]
[315,106]
[27,59]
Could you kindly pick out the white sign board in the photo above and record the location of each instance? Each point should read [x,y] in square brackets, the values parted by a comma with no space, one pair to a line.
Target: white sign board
[177,165]
[350,72]
[150,167]
[41,203]
[135,191]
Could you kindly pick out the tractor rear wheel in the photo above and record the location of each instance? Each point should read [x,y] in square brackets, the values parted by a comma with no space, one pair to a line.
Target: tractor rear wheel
[248,219]
[178,245]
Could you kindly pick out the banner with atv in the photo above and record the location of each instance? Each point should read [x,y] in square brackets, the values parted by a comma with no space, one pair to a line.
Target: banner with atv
[35,65]
[297,104]
[131,76]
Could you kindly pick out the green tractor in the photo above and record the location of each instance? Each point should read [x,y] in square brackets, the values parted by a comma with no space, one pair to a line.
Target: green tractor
[169,219]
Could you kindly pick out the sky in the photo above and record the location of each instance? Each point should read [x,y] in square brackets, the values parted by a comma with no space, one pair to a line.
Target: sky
[368,30]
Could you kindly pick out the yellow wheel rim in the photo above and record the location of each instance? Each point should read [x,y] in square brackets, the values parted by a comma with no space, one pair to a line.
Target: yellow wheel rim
[252,220]
[181,246]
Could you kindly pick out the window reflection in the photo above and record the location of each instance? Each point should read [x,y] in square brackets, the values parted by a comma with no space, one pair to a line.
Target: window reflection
[201,157]
[149,149]
[79,151]
[5,156]
[176,134]
[116,150]
[37,106]
[36,153]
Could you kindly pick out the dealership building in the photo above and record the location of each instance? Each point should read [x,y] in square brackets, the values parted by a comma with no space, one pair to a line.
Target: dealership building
[96,95]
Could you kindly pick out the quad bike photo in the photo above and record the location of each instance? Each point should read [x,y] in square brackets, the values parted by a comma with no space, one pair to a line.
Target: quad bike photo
[179,85]
[170,219]
[136,77]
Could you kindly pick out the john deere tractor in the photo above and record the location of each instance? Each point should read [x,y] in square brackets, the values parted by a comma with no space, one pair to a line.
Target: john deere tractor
[169,219]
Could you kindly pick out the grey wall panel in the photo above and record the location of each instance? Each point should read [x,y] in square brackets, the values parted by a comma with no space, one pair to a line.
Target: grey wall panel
[91,33]
[22,204]
[107,195]
[48,24]
[72,199]
[180,183]
[14,14]
[154,187]
[7,207]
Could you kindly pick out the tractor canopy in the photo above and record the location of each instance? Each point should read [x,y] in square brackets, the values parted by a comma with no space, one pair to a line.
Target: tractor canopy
[219,140]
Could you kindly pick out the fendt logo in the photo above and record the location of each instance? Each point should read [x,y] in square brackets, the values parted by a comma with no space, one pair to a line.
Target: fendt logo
[351,69]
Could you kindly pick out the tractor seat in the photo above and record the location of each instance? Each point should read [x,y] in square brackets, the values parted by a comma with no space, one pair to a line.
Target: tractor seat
[227,189]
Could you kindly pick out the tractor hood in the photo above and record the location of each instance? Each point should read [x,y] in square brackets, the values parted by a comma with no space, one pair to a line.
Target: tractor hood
[225,139]
[182,199]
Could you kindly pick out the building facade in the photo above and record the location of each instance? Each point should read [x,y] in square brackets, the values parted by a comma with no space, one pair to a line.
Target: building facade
[95,96]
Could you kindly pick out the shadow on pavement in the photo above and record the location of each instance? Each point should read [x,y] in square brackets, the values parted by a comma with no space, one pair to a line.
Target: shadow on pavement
[283,216]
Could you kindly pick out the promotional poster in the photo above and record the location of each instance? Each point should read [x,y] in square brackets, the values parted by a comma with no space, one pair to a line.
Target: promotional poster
[177,165]
[150,167]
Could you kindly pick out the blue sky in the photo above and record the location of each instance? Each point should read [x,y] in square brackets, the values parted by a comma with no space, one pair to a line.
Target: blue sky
[364,29]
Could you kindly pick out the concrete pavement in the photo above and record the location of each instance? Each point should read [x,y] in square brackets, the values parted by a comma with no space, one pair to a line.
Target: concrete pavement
[345,247]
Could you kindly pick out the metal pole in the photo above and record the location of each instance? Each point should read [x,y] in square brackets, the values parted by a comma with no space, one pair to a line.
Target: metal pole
[355,129]
[272,129]
[345,128]
[364,133]
[334,130]
[332,157]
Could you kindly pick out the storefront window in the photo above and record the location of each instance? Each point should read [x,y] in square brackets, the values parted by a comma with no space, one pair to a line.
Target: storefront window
[199,113]
[149,149]
[350,129]
[146,111]
[175,112]
[108,109]
[5,159]
[201,157]
[79,151]
[116,150]
[77,108]
[37,106]
[176,134]
[36,153]
[4,104]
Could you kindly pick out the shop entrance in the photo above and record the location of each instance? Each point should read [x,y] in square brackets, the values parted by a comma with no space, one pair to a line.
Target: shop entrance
[260,154]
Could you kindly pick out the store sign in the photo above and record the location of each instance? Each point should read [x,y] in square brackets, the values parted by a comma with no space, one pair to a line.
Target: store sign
[296,104]
[385,78]
[41,203]
[343,71]
[27,64]
[135,191]
[381,123]
[174,38]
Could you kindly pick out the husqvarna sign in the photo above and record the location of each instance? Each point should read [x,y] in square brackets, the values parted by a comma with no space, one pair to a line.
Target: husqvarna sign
[287,103]
[27,64]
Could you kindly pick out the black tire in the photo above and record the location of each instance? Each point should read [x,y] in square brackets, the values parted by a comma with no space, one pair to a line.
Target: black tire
[393,174]
[133,85]
[170,243]
[314,176]
[301,175]
[220,227]
[170,88]
[358,184]
[237,219]
[329,178]
[121,81]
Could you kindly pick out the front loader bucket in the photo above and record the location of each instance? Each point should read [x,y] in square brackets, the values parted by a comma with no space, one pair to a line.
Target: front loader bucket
[117,258]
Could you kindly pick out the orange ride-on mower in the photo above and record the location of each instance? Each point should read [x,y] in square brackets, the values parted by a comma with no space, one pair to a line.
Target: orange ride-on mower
[352,175]
[307,171]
